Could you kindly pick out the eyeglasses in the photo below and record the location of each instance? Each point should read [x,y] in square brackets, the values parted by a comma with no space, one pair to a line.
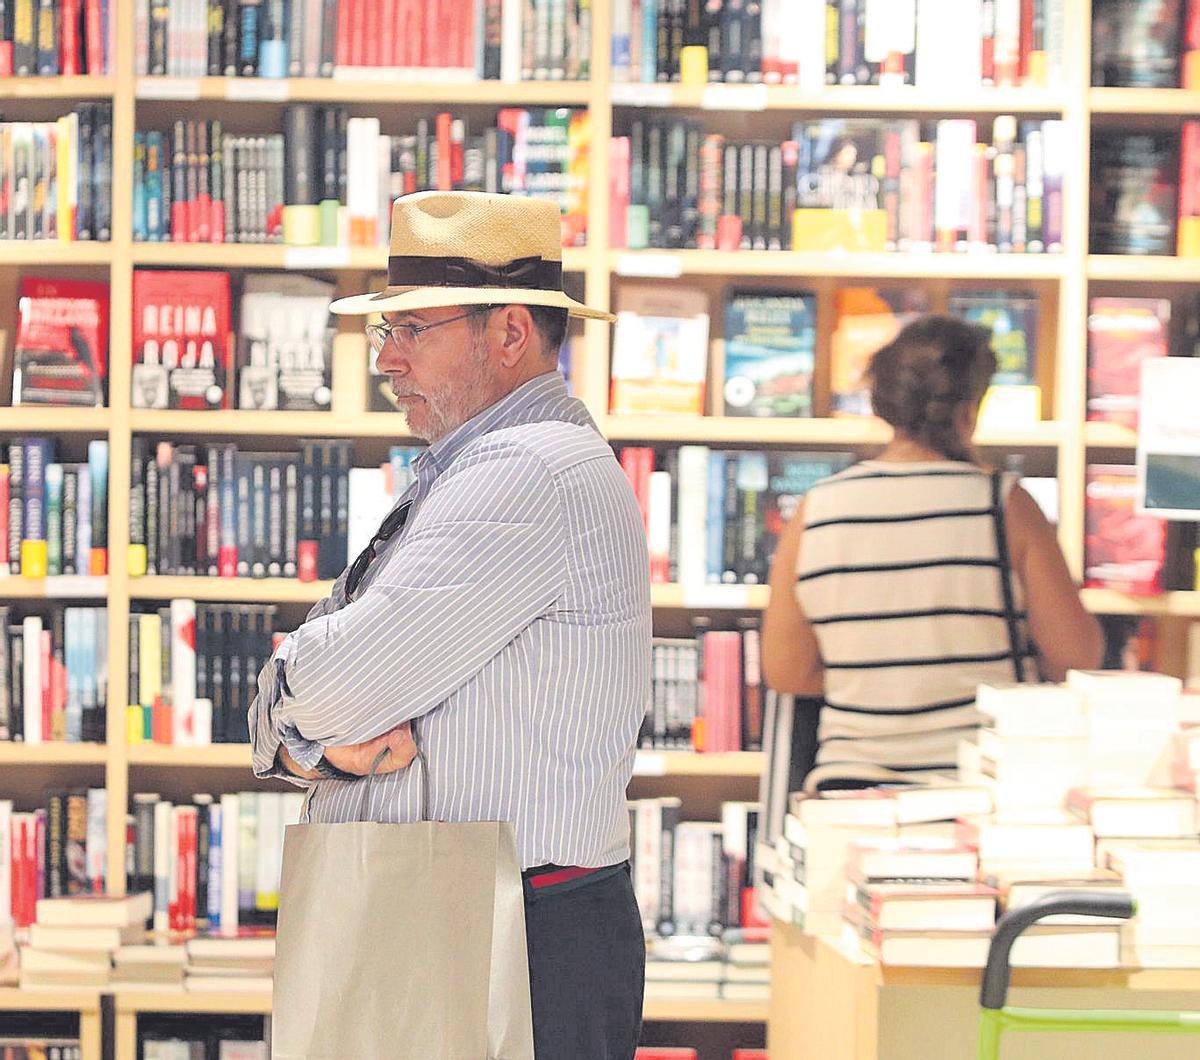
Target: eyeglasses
[405,335]
[391,525]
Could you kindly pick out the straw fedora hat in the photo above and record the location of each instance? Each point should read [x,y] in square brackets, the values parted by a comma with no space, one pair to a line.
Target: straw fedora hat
[453,248]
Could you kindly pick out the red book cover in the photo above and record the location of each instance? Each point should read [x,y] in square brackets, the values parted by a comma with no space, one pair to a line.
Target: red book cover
[182,346]
[618,191]
[661,1052]
[389,47]
[1123,550]
[33,890]
[358,29]
[1122,333]
[1189,170]
[445,156]
[6,58]
[47,686]
[61,352]
[174,920]
[93,29]
[187,867]
[4,496]
[1025,39]
[373,45]
[401,38]
[342,52]
[69,38]
[749,1054]
[16,854]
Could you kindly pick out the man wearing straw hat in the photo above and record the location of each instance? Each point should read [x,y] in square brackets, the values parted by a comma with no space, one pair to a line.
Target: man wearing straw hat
[503,606]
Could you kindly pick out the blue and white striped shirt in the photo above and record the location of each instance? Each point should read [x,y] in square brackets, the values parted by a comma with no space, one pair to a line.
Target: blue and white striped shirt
[511,616]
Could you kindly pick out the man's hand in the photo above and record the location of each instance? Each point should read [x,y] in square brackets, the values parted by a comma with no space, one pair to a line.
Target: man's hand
[358,758]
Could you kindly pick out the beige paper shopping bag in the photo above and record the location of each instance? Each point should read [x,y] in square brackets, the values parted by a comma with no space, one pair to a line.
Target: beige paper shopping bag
[401,942]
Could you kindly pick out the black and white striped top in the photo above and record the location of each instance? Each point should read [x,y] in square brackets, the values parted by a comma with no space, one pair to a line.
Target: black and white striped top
[899,573]
[510,618]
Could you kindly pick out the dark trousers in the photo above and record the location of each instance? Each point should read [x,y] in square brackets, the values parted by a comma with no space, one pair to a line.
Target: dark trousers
[587,968]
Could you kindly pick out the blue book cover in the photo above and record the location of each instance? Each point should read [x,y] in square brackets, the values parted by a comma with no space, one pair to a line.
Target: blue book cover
[216,862]
[38,454]
[715,565]
[770,354]
[1012,318]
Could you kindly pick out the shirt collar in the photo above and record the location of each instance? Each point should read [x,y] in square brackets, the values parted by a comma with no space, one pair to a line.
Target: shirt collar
[542,398]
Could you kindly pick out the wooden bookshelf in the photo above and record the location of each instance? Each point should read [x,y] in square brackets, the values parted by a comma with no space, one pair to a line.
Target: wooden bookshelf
[1063,279]
[52,754]
[65,587]
[376,91]
[672,264]
[34,419]
[838,99]
[84,1003]
[704,1011]
[69,88]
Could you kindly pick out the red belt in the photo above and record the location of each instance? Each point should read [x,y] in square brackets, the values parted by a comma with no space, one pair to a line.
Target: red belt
[549,879]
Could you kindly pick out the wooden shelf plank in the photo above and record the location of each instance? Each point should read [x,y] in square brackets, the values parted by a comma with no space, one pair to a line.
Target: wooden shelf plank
[59,419]
[277,256]
[704,1011]
[52,754]
[669,264]
[250,1002]
[837,99]
[49,1000]
[646,763]
[1144,101]
[1109,436]
[286,426]
[850,431]
[256,1002]
[56,87]
[234,590]
[357,90]
[1173,604]
[1143,268]
[709,597]
[43,252]
[64,587]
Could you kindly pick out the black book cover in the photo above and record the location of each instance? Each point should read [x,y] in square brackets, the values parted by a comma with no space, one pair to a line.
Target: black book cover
[732,44]
[216,38]
[56,844]
[160,17]
[47,39]
[1136,45]
[218,653]
[16,698]
[275,519]
[25,50]
[300,156]
[752,45]
[229,37]
[249,32]
[70,519]
[84,215]
[328,36]
[103,157]
[148,469]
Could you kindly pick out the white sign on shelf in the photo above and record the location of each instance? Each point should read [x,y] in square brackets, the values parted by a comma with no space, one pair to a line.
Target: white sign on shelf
[316,257]
[701,596]
[650,266]
[734,97]
[638,95]
[1168,449]
[647,764]
[260,89]
[168,88]
[76,587]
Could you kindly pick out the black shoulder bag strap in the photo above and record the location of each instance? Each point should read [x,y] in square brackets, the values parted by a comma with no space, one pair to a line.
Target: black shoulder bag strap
[1006,588]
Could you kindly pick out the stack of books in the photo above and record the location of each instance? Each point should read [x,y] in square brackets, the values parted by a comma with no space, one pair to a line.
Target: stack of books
[219,964]
[72,940]
[152,966]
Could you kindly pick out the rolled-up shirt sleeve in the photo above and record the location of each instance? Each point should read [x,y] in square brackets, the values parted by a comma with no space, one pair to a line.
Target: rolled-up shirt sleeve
[267,733]
[483,558]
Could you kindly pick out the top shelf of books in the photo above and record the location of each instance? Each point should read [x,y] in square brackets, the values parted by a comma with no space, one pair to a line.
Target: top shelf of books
[359,90]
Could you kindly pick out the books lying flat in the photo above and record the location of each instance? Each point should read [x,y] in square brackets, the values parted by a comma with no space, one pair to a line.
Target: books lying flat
[71,938]
[53,962]
[230,948]
[1021,889]
[870,807]
[201,984]
[1079,947]
[96,910]
[685,971]
[1152,813]
[908,906]
[940,802]
[746,991]
[911,859]
[682,991]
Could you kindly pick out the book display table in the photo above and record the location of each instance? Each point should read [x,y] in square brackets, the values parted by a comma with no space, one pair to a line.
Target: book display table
[829,1002]
[84,1002]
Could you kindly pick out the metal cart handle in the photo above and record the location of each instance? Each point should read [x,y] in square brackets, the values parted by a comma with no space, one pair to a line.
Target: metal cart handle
[994,993]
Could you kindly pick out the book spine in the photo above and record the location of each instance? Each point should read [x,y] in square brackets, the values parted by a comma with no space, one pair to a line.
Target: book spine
[98,474]
[97,840]
[56,844]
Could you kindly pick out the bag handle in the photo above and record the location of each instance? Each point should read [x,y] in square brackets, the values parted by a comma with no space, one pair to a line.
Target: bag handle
[1006,588]
[366,788]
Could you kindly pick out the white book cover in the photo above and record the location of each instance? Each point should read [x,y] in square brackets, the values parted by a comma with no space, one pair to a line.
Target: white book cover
[658,532]
[954,189]
[949,52]
[97,839]
[163,859]
[647,861]
[183,672]
[270,844]
[96,691]
[32,632]
[802,43]
[369,504]
[693,514]
[1007,45]
[772,45]
[74,620]
[230,832]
